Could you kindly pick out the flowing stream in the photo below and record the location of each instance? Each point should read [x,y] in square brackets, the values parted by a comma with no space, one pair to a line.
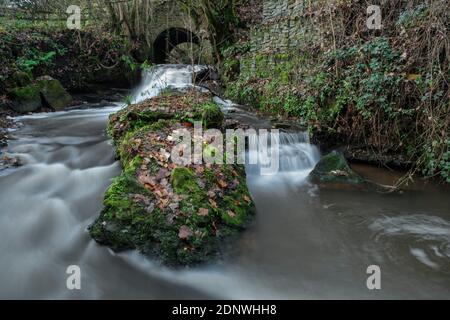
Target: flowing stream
[304,242]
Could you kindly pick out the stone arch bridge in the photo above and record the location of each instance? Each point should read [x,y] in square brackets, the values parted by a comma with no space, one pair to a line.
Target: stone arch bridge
[172,25]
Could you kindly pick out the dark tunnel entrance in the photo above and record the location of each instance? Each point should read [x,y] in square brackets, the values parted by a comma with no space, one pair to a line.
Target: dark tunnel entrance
[168,40]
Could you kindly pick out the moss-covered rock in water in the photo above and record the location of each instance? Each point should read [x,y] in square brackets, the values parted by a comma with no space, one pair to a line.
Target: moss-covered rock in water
[212,116]
[334,169]
[26,99]
[44,92]
[180,214]
[53,94]
[186,108]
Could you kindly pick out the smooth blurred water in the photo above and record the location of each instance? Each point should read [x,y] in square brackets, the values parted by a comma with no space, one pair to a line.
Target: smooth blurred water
[304,242]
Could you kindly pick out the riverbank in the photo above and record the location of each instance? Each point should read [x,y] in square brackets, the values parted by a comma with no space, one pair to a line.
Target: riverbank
[80,60]
[379,96]
[41,63]
[102,97]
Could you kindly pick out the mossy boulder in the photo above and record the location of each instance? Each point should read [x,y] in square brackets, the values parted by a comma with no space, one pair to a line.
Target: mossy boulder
[334,169]
[186,107]
[44,92]
[181,214]
[53,93]
[26,99]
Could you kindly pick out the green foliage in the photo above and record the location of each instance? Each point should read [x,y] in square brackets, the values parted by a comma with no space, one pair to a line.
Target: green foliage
[77,59]
[359,90]
[146,65]
[268,85]
[368,78]
[128,100]
[230,66]
[221,19]
[437,160]
[34,58]
[413,15]
[212,116]
[129,62]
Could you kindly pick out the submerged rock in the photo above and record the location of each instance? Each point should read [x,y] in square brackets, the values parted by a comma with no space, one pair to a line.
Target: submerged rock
[334,169]
[180,214]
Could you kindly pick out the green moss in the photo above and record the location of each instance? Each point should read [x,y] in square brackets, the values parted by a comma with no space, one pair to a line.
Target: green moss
[212,116]
[44,90]
[53,93]
[135,217]
[113,227]
[183,180]
[334,168]
[25,93]
[19,79]
[26,99]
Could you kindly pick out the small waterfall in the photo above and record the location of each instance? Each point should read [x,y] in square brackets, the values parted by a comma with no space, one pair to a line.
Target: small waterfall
[161,77]
[295,154]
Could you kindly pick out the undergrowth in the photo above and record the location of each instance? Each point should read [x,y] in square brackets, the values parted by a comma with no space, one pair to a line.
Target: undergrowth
[386,90]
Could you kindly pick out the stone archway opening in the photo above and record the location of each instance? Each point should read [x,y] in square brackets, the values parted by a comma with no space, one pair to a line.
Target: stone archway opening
[170,39]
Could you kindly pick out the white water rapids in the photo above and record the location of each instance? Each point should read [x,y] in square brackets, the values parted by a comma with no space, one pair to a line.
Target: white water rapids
[304,243]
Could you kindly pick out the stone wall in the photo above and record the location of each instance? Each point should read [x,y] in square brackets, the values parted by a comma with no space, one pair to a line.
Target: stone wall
[285,27]
[170,14]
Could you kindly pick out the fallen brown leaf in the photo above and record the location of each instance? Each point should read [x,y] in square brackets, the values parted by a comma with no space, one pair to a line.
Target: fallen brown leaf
[213,203]
[222,184]
[185,232]
[203,212]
